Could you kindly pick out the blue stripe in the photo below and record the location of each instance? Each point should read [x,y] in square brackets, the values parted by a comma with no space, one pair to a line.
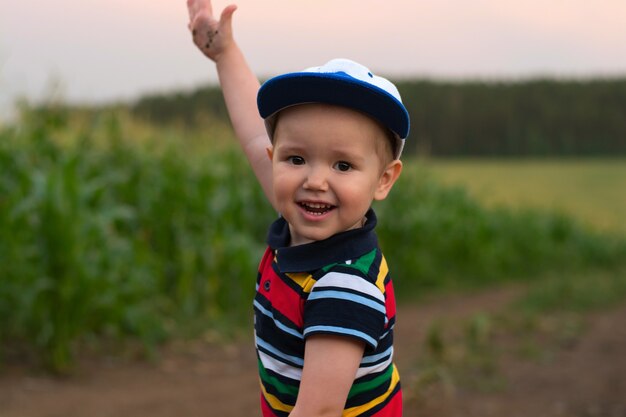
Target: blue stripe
[376,358]
[278,324]
[271,349]
[342,330]
[321,294]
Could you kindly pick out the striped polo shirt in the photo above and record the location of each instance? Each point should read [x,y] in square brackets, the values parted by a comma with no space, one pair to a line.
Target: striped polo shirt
[338,286]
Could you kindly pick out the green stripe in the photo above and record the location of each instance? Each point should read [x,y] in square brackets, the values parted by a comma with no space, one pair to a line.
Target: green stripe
[355,390]
[273,381]
[363,264]
[370,385]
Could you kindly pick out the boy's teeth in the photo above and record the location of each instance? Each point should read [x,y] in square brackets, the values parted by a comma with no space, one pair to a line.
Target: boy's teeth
[317,208]
[317,205]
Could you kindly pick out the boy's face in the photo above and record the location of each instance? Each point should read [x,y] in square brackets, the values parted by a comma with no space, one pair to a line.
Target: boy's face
[326,169]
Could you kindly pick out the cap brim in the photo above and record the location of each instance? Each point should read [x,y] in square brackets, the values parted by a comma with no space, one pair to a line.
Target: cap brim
[333,88]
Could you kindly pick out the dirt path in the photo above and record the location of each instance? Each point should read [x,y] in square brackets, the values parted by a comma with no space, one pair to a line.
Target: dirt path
[585,380]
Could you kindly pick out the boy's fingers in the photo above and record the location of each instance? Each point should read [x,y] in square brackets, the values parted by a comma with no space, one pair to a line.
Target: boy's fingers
[206,6]
[196,6]
[191,9]
[226,19]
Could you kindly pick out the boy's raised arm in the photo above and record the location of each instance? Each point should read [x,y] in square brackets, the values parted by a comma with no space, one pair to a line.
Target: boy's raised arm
[239,84]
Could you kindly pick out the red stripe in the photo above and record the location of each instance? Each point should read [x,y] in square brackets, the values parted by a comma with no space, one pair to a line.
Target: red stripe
[392,409]
[266,411]
[283,298]
[390,301]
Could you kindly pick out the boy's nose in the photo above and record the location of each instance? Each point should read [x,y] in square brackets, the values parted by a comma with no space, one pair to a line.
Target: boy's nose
[316,179]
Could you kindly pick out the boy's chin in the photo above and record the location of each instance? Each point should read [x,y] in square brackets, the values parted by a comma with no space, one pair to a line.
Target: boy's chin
[303,235]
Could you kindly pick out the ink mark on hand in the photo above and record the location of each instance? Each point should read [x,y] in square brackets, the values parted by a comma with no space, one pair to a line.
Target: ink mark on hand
[211,36]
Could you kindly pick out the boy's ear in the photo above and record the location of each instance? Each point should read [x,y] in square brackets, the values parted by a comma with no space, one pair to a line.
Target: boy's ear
[270,152]
[387,179]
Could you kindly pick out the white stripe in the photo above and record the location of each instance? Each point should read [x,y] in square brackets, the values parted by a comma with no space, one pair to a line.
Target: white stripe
[347,296]
[352,282]
[366,370]
[280,367]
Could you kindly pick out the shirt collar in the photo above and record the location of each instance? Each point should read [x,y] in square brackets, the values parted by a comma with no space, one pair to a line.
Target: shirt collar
[311,256]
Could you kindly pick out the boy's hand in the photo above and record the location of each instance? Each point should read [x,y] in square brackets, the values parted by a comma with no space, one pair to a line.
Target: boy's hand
[239,84]
[211,36]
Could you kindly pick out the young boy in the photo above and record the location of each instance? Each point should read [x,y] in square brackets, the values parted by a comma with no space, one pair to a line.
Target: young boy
[326,145]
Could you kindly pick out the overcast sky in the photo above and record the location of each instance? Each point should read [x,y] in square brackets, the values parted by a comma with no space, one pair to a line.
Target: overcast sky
[101,50]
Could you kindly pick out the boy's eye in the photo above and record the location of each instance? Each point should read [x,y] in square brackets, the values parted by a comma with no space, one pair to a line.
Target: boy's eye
[296,160]
[343,166]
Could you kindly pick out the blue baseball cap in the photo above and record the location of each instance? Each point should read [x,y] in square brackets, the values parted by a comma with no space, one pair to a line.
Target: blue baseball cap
[340,82]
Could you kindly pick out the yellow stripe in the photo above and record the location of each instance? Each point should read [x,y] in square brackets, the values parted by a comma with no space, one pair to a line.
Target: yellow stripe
[304,280]
[355,411]
[382,274]
[274,402]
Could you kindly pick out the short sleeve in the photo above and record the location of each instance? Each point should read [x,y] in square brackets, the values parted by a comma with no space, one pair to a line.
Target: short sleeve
[346,304]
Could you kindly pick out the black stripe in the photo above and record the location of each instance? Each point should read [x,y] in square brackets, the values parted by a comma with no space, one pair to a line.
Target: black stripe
[266,329]
[368,396]
[382,405]
[371,376]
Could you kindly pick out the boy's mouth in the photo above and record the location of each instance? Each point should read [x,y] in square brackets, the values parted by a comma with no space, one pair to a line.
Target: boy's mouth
[316,209]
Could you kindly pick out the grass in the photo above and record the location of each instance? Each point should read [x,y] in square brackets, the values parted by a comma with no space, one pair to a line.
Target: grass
[589,190]
[576,292]
[441,237]
[114,230]
[550,317]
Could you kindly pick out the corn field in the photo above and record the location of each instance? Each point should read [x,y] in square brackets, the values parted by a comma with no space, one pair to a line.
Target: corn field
[104,236]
